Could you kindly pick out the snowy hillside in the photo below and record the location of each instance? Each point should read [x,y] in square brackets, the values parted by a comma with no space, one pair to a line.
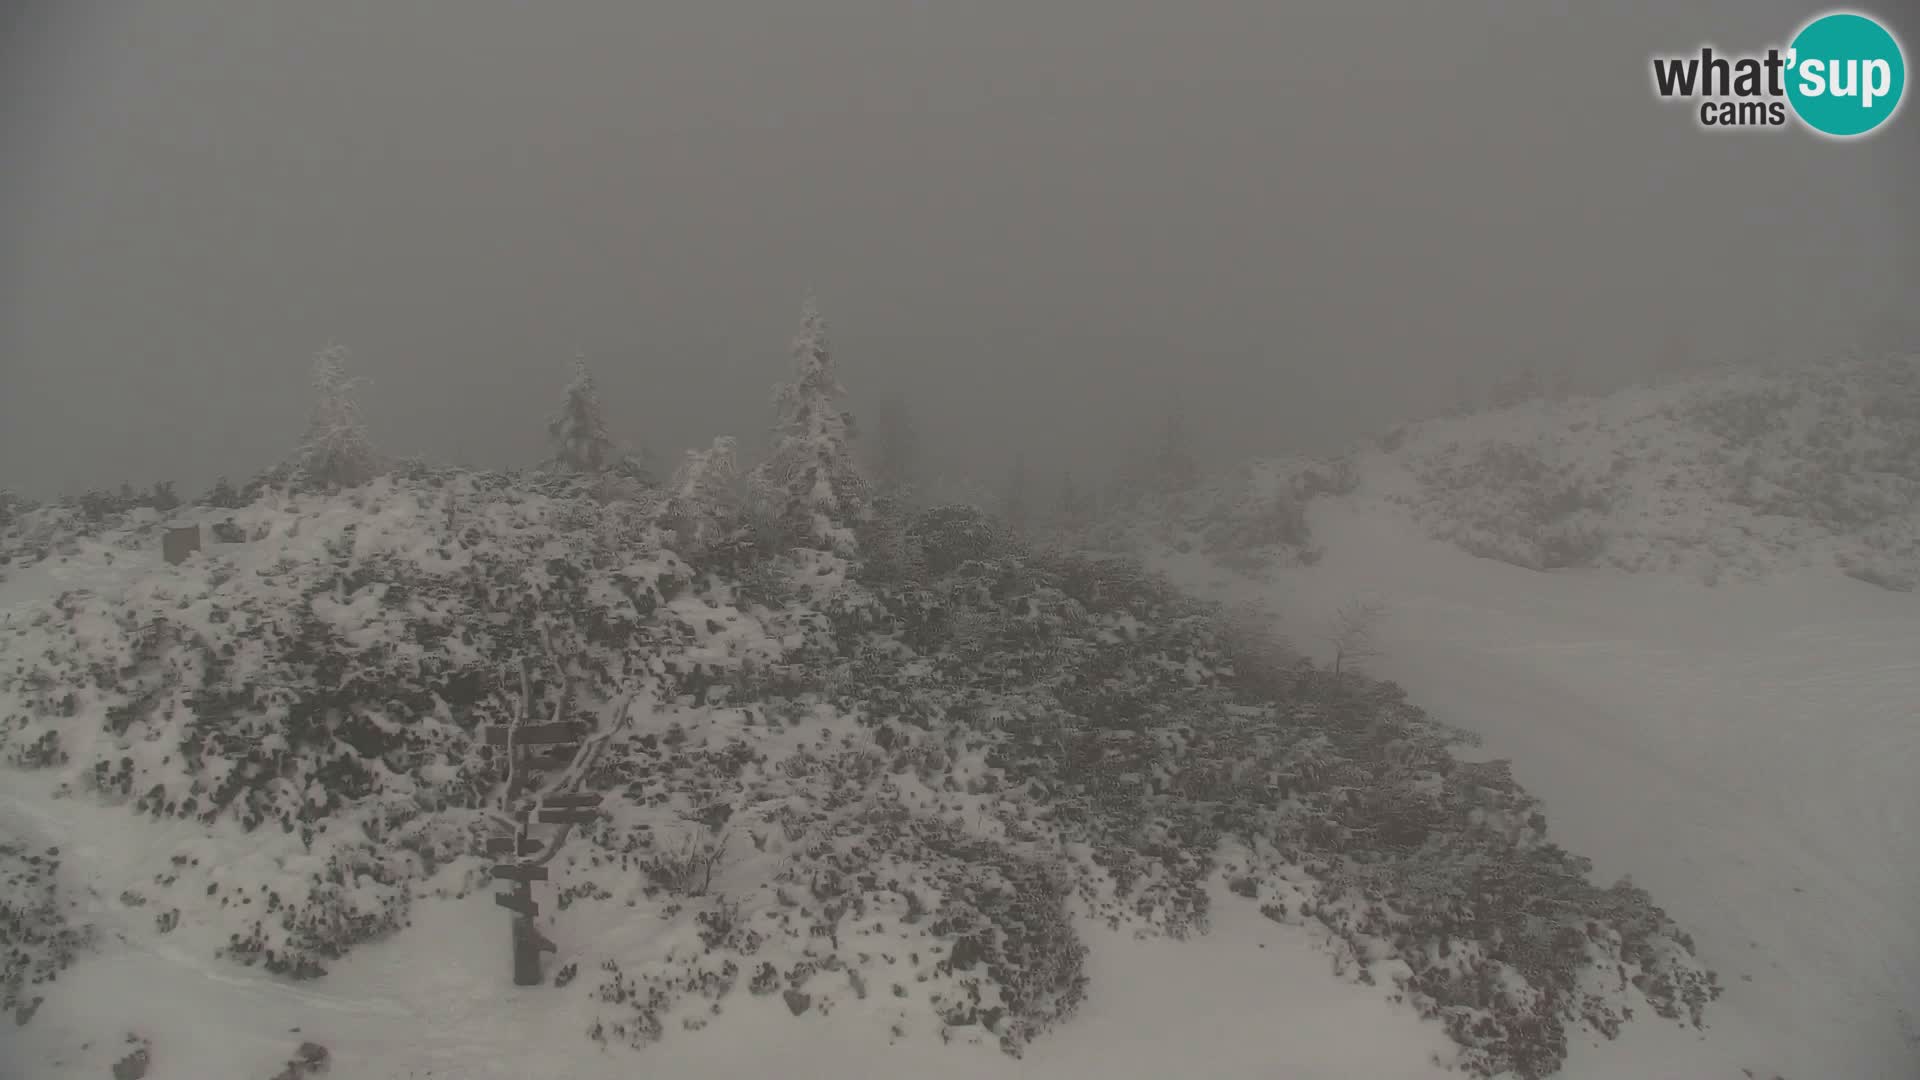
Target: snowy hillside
[1746,752]
[903,794]
[1723,477]
[880,778]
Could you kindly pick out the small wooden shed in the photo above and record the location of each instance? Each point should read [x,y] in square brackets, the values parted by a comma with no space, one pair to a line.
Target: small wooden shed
[179,542]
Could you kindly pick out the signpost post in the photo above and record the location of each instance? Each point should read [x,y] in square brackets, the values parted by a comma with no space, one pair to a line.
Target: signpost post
[563,809]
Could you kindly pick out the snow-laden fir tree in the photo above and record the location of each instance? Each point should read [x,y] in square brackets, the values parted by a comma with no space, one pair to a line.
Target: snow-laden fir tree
[810,481]
[579,430]
[335,452]
[703,492]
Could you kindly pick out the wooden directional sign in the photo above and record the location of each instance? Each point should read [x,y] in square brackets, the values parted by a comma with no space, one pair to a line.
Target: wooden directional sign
[565,817]
[513,901]
[504,845]
[572,801]
[533,734]
[517,872]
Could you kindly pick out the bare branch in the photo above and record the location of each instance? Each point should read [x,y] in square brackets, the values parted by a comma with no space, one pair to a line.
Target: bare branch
[1353,634]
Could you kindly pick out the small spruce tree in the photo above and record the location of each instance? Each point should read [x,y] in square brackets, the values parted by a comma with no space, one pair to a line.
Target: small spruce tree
[579,430]
[703,493]
[810,482]
[335,452]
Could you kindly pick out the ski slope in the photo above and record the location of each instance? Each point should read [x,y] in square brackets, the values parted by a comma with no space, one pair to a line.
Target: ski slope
[1745,752]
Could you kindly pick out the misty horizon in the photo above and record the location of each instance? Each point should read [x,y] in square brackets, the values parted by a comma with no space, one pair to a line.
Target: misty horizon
[1038,227]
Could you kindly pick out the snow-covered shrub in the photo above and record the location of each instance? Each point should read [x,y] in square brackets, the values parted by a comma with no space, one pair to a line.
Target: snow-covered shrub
[703,500]
[1503,936]
[1117,717]
[1524,503]
[223,496]
[99,507]
[331,691]
[827,763]
[1255,524]
[38,938]
[1257,518]
[1890,578]
[1728,476]
[947,537]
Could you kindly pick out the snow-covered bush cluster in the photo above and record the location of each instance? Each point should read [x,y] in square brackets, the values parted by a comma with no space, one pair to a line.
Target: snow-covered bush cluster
[849,749]
[1728,476]
[1530,504]
[1260,514]
[322,685]
[39,937]
[898,784]
[1250,520]
[1118,727]
[323,681]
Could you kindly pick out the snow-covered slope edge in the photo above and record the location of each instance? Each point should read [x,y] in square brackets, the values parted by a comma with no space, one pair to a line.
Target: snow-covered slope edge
[1722,477]
[1745,752]
[910,787]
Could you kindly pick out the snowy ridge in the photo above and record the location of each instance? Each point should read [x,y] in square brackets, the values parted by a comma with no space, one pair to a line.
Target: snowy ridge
[909,792]
[1723,477]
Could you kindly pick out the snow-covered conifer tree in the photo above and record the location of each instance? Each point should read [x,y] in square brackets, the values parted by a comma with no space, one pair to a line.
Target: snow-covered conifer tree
[579,430]
[335,452]
[810,481]
[703,491]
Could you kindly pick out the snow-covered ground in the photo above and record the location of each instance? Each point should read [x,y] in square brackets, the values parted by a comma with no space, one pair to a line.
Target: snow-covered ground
[1746,752]
[1252,999]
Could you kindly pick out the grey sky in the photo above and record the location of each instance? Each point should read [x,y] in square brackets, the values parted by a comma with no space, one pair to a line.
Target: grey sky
[1034,219]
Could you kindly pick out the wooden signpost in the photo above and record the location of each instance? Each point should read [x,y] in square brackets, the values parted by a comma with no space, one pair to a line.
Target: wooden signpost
[533,734]
[563,809]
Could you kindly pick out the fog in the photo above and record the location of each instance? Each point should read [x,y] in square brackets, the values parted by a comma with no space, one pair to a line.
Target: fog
[1037,222]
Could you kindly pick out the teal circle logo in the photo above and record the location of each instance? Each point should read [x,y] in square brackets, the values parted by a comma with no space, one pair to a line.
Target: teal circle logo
[1845,75]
